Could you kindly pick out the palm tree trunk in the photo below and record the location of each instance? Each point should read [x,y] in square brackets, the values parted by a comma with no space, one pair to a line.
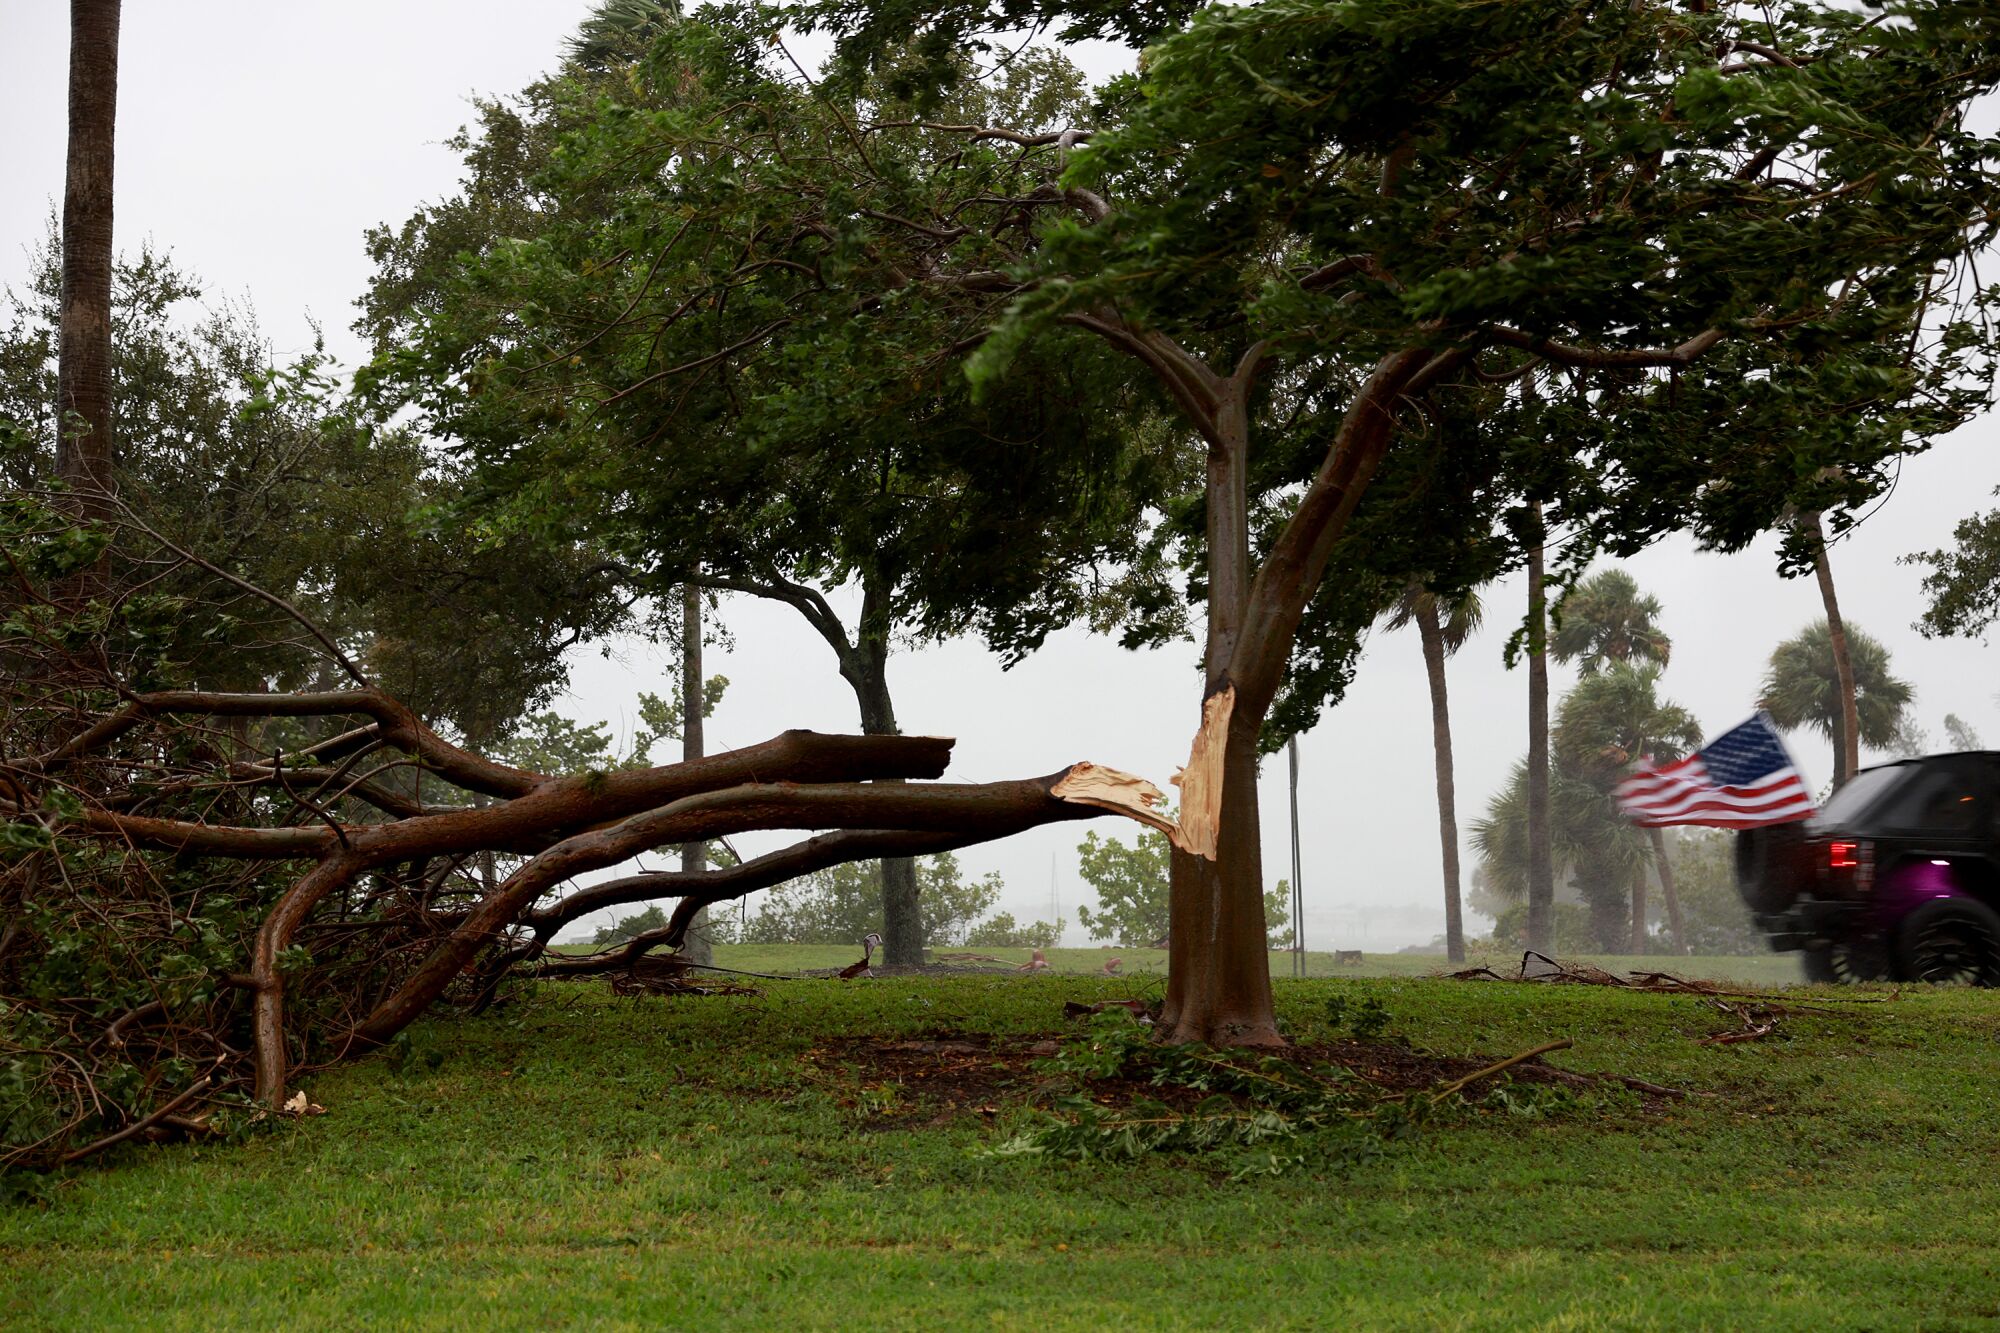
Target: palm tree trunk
[1637,942]
[1432,635]
[83,377]
[694,855]
[1668,895]
[1541,867]
[1847,732]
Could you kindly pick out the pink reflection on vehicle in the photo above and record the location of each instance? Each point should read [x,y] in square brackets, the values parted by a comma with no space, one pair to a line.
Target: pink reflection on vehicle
[1913,881]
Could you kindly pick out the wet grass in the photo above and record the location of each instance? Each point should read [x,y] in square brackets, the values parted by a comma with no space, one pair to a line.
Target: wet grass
[581,1160]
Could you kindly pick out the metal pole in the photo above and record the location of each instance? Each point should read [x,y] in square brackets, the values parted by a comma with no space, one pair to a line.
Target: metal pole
[1298,886]
[1055,903]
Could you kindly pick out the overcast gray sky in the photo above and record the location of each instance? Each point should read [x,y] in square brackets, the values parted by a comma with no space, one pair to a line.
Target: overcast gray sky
[257,141]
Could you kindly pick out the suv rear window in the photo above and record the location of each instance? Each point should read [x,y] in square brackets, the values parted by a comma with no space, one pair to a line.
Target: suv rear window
[1943,798]
[1862,790]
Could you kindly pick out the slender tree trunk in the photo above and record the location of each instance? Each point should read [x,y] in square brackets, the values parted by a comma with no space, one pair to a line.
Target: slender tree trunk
[694,855]
[1637,942]
[1541,868]
[867,670]
[1847,729]
[1668,896]
[84,453]
[1432,635]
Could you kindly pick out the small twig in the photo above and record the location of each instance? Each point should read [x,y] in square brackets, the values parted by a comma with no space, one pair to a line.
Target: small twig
[1730,1038]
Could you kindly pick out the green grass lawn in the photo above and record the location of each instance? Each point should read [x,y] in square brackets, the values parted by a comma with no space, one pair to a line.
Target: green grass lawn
[582,1160]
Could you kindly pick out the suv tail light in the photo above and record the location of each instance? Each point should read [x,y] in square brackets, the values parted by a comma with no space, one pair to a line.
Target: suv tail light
[1849,867]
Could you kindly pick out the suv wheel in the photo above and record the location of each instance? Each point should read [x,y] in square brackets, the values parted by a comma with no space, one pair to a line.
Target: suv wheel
[1950,940]
[1863,958]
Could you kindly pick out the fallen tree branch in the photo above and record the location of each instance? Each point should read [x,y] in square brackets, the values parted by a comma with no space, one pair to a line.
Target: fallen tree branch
[140,1126]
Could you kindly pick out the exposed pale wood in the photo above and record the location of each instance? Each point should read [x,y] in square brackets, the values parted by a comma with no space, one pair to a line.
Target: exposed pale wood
[1201,781]
[1109,789]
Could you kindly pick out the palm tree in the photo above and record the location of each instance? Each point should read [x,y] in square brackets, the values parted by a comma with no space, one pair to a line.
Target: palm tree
[619,32]
[1443,625]
[1588,840]
[1803,688]
[84,453]
[1607,723]
[1610,721]
[1607,619]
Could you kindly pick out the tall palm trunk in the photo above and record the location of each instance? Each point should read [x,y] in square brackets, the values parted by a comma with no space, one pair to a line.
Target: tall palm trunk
[84,453]
[1541,863]
[1668,896]
[694,855]
[1847,730]
[1431,632]
[1637,943]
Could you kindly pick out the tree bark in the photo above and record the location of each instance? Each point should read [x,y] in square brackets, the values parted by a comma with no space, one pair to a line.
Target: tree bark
[1218,960]
[902,912]
[1847,727]
[84,452]
[864,662]
[1432,635]
[694,855]
[1218,963]
[1672,899]
[1541,867]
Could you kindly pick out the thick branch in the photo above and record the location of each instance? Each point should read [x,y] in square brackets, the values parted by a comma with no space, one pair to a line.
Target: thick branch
[975,812]
[1629,358]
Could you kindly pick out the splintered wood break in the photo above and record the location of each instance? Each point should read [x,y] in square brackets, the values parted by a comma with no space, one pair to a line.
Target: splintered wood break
[1109,789]
[1201,781]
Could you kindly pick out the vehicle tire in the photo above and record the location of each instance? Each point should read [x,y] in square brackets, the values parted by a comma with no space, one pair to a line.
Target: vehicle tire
[1863,958]
[1768,865]
[1950,940]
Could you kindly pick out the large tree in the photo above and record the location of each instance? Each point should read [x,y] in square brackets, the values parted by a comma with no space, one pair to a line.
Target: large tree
[255,463]
[884,479]
[1332,234]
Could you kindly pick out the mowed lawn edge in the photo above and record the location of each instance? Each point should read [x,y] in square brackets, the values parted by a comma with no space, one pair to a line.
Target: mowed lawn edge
[579,1159]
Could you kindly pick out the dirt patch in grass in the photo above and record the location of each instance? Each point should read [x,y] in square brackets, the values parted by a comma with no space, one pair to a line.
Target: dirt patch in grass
[901,1083]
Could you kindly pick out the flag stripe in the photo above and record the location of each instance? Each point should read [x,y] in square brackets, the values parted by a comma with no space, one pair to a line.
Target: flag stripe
[1641,791]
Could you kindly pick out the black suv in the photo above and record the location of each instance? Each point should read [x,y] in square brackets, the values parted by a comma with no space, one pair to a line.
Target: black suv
[1898,877]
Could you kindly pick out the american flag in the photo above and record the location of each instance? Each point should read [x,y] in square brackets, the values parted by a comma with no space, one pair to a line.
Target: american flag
[1744,778]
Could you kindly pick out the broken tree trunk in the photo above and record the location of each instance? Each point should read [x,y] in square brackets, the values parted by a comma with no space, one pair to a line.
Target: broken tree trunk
[1218,960]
